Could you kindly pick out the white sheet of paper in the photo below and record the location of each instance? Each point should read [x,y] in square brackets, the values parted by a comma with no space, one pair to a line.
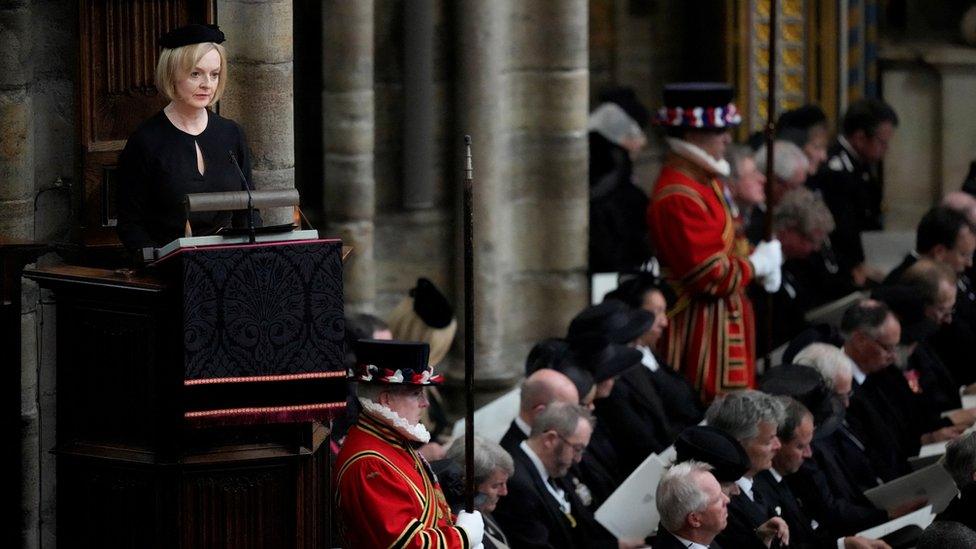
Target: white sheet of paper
[923,517]
[934,449]
[493,419]
[932,482]
[668,455]
[631,510]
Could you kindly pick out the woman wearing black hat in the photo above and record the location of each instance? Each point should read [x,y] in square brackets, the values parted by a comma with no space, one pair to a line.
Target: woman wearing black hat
[184,148]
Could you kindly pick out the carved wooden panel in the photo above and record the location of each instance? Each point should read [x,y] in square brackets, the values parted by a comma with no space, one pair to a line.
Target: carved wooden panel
[118,54]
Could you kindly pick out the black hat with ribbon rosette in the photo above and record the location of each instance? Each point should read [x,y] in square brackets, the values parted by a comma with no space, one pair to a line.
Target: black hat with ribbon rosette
[389,362]
[698,105]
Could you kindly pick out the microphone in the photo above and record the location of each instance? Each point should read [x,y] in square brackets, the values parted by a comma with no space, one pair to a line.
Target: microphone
[250,199]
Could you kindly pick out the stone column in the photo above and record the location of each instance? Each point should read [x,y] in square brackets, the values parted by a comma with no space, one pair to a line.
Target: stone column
[17,222]
[483,112]
[348,142]
[549,193]
[16,121]
[259,94]
[523,96]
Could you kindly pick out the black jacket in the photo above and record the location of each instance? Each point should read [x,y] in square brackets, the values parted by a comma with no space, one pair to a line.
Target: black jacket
[532,518]
[635,417]
[745,516]
[666,540]
[837,514]
[963,508]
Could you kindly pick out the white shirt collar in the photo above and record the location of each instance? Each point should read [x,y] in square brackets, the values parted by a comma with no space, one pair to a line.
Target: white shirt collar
[688,543]
[778,477]
[745,484]
[857,374]
[556,493]
[847,146]
[699,157]
[523,426]
[648,359]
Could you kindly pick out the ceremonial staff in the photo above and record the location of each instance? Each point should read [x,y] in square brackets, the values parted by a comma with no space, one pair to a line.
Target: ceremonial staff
[770,174]
[468,330]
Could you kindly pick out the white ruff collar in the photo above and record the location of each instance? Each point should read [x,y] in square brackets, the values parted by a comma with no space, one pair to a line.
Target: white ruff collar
[698,155]
[416,433]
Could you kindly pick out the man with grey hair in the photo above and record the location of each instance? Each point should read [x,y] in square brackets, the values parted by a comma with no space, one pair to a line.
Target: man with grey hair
[750,417]
[801,222]
[541,509]
[692,506]
[748,188]
[845,470]
[872,334]
[790,167]
[960,461]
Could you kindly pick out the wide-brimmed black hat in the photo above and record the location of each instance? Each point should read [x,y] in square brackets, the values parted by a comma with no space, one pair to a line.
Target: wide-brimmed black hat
[698,105]
[393,363]
[431,305]
[806,385]
[604,363]
[547,353]
[633,287]
[909,307]
[191,34]
[611,321]
[714,447]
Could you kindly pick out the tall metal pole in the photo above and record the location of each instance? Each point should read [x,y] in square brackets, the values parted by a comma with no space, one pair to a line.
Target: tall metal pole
[468,329]
[770,173]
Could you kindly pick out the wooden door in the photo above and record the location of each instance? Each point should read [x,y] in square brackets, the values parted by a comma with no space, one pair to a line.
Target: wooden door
[118,54]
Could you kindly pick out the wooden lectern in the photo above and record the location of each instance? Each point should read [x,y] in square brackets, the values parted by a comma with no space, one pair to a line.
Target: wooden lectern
[193,397]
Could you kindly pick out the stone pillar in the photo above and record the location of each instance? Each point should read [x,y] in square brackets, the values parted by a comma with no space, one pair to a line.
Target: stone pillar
[523,96]
[16,121]
[17,222]
[483,112]
[549,194]
[419,116]
[259,94]
[348,141]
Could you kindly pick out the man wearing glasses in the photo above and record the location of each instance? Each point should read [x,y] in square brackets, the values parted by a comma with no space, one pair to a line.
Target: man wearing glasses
[873,334]
[541,510]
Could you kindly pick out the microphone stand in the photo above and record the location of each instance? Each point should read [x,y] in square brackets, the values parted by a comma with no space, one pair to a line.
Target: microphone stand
[250,199]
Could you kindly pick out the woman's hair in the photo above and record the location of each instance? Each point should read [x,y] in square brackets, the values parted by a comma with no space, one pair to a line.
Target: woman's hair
[176,63]
[488,456]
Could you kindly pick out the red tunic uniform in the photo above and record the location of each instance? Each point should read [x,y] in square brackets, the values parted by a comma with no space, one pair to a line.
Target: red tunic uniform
[711,337]
[387,495]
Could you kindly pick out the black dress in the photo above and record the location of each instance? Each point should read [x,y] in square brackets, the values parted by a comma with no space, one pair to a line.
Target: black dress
[159,166]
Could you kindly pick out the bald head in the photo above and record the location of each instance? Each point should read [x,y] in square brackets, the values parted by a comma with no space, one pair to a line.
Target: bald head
[543,387]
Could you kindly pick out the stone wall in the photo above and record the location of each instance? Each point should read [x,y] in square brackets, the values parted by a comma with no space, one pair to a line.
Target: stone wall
[37,170]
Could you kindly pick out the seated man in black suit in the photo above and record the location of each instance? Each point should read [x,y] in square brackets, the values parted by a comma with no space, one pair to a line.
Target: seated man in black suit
[796,432]
[832,483]
[872,336]
[751,418]
[541,510]
[945,236]
[692,506]
[960,461]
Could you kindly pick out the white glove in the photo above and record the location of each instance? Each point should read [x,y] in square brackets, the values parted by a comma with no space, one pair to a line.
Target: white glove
[766,260]
[474,525]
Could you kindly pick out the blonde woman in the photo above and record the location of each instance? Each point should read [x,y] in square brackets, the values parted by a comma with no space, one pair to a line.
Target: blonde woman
[184,148]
